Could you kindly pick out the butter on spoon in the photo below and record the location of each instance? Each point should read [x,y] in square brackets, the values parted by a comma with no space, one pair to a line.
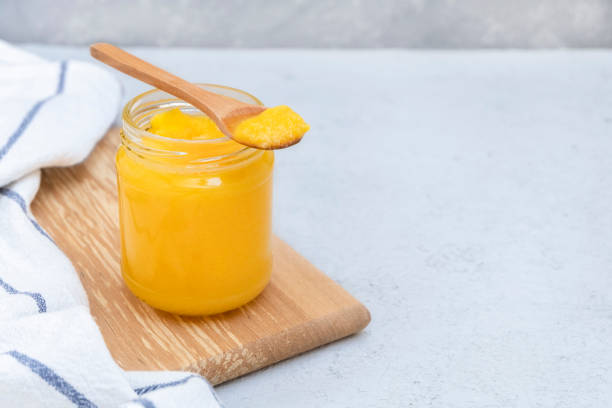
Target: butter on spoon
[251,125]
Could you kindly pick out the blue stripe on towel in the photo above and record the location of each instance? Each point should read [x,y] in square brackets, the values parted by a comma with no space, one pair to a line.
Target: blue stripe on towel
[40,301]
[62,78]
[144,402]
[13,195]
[51,378]
[34,110]
[149,388]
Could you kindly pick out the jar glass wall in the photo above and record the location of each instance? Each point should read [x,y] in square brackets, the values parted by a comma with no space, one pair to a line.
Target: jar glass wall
[195,215]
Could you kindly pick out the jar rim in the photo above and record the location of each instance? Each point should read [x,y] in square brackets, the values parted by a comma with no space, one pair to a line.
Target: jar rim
[128,120]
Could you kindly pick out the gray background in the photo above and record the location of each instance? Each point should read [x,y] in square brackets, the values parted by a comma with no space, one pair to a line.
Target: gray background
[463,197]
[312,23]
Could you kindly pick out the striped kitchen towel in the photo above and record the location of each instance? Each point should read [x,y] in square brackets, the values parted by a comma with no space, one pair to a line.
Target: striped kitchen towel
[51,351]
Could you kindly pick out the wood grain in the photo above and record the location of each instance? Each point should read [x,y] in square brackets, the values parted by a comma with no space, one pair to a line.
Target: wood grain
[299,310]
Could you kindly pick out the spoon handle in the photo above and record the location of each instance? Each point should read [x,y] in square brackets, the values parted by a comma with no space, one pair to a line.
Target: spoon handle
[135,67]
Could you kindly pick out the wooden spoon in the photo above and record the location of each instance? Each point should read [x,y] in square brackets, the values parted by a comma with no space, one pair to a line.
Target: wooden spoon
[223,110]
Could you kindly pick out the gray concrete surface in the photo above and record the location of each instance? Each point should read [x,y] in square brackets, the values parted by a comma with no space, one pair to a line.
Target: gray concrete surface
[312,23]
[464,197]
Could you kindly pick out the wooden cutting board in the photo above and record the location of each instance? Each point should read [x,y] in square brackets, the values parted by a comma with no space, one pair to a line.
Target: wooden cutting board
[299,310]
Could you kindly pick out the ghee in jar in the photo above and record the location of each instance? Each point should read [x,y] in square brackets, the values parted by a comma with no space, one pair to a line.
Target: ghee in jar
[194,208]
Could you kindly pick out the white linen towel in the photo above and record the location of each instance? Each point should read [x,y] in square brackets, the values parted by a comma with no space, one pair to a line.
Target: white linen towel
[51,351]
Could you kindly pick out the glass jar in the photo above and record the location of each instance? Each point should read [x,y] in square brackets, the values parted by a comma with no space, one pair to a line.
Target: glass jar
[195,215]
